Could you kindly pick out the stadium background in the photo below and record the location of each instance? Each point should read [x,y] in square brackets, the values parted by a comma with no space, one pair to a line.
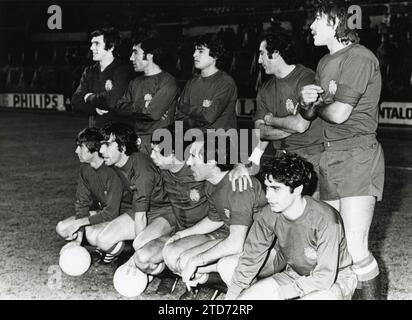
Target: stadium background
[40,69]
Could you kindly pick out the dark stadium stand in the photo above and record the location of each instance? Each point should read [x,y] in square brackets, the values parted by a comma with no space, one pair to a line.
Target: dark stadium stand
[56,66]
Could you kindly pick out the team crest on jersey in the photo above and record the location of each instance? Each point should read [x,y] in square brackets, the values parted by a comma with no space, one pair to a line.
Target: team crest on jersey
[194,195]
[108,85]
[227,213]
[310,253]
[333,86]
[290,107]
[147,98]
[206,103]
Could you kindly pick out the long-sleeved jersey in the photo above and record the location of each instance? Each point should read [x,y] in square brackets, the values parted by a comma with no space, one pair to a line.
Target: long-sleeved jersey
[101,188]
[106,86]
[313,245]
[280,97]
[142,177]
[209,102]
[150,101]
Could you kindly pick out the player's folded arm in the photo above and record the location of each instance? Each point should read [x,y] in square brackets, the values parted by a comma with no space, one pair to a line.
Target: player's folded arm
[77,101]
[160,102]
[201,115]
[106,99]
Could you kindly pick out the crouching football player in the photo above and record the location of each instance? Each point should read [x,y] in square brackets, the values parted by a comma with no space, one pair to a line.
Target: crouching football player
[309,259]
[189,205]
[151,215]
[195,252]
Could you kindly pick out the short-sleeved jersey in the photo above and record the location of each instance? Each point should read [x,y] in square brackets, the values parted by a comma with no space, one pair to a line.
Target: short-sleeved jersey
[209,102]
[234,207]
[187,196]
[143,178]
[313,245]
[150,101]
[352,76]
[100,189]
[280,97]
[106,86]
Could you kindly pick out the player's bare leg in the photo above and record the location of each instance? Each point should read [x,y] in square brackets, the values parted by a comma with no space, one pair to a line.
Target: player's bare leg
[62,227]
[111,238]
[157,228]
[227,265]
[92,232]
[148,257]
[357,214]
[194,251]
[149,244]
[265,289]
[172,252]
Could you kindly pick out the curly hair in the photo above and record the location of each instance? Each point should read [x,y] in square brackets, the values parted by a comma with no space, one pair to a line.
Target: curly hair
[152,46]
[123,134]
[338,9]
[280,42]
[213,43]
[291,170]
[91,138]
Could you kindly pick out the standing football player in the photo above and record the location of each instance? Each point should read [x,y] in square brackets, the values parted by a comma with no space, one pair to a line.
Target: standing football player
[352,169]
[208,101]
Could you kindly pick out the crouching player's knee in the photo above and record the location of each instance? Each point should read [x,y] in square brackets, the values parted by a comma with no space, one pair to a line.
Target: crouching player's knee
[60,230]
[170,257]
[226,267]
[104,241]
[143,260]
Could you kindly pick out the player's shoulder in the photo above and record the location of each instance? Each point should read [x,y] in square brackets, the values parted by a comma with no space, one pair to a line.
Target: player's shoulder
[141,159]
[85,168]
[167,76]
[362,53]
[167,79]
[303,71]
[120,67]
[322,212]
[92,68]
[265,216]
[268,84]
[250,194]
[225,78]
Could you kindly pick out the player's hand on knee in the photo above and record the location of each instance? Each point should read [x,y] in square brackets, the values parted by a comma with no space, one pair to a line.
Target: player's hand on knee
[198,278]
[240,175]
[174,238]
[189,271]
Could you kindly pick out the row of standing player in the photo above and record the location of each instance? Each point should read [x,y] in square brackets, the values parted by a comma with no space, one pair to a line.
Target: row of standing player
[331,124]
